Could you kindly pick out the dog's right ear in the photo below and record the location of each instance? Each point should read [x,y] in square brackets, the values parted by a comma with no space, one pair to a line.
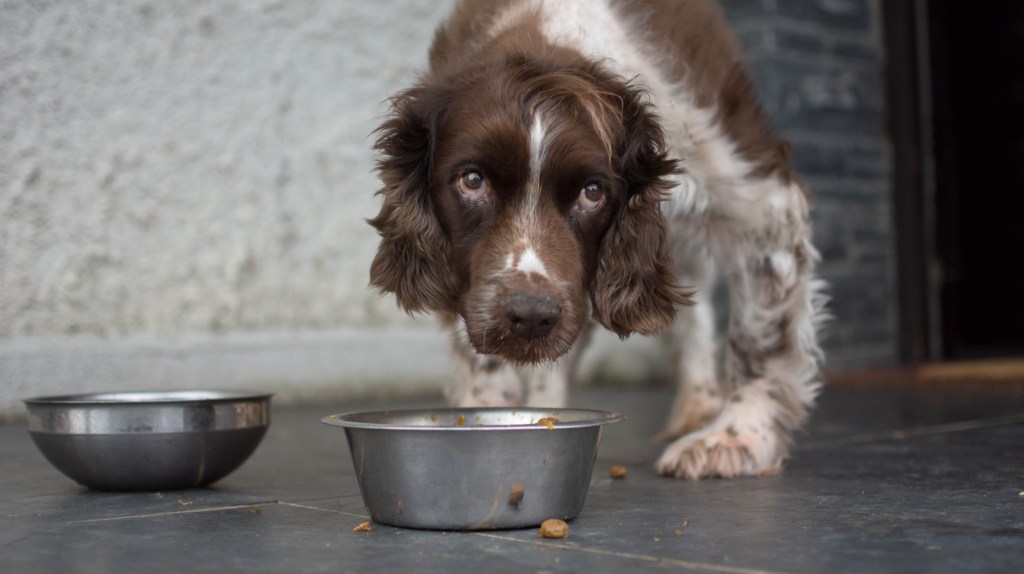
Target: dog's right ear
[413,260]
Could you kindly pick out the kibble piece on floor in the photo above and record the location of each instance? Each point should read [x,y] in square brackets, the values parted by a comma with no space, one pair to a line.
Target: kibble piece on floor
[515,494]
[553,528]
[363,527]
[618,471]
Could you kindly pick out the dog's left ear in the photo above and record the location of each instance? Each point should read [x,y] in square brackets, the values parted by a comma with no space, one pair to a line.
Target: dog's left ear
[634,289]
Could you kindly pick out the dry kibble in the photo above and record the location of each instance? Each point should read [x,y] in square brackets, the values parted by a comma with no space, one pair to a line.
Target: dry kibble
[461,420]
[363,527]
[618,471]
[553,528]
[515,494]
[548,422]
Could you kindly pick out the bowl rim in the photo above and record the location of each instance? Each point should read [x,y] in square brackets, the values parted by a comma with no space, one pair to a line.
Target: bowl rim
[597,418]
[150,397]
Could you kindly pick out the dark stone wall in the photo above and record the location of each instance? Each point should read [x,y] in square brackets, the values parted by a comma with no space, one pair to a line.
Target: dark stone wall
[818,67]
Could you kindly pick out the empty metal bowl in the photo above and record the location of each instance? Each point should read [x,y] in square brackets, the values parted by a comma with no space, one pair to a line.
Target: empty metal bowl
[148,440]
[473,469]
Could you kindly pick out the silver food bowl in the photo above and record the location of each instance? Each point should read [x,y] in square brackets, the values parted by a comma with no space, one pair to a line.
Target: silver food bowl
[148,440]
[473,469]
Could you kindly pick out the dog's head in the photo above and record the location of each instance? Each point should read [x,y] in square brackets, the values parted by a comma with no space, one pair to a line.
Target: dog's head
[519,189]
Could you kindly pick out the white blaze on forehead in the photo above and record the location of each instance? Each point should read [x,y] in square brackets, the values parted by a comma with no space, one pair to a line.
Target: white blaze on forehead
[524,258]
[530,262]
[527,261]
[527,217]
[538,149]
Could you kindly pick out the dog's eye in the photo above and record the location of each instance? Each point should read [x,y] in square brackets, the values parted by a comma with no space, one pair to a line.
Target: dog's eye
[473,186]
[591,196]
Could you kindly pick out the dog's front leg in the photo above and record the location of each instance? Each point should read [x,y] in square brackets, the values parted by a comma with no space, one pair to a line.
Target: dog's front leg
[772,353]
[480,380]
[549,383]
[485,381]
[699,394]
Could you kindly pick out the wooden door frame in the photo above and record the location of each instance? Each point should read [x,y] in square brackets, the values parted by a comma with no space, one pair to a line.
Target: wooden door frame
[909,117]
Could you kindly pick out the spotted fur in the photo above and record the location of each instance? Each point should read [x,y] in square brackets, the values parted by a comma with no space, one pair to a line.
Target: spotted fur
[571,161]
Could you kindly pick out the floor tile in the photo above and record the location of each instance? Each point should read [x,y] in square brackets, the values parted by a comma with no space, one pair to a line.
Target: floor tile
[882,480]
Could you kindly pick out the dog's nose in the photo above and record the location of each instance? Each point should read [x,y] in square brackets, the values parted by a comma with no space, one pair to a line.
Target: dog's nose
[531,316]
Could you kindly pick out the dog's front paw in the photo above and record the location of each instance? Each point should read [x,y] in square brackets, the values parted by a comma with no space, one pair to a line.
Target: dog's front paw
[745,440]
[722,454]
[692,411]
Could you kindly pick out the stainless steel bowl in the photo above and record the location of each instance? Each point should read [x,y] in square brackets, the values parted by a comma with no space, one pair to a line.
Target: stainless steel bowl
[473,469]
[148,440]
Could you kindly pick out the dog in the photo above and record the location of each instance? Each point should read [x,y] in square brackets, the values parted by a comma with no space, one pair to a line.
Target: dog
[570,162]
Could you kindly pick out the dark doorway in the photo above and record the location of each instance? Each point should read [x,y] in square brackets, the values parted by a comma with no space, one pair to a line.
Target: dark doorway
[956,91]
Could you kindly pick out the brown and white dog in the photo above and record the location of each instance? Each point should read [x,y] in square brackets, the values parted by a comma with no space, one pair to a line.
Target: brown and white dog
[546,171]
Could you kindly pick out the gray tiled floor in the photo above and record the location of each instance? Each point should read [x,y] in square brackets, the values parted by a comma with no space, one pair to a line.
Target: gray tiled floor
[884,480]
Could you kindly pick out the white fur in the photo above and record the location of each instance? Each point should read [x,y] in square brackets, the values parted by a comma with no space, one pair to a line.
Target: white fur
[525,258]
[530,262]
[479,383]
[475,383]
[548,384]
[743,440]
[538,152]
[699,398]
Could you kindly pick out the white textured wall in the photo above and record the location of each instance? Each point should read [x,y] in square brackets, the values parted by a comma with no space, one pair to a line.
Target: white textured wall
[183,188]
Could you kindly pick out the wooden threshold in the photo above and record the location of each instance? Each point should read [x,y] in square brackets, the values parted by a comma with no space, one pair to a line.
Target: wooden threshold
[1008,370]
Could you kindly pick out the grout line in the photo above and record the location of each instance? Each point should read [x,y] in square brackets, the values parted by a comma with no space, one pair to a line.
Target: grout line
[215,509]
[920,431]
[643,557]
[176,512]
[353,514]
